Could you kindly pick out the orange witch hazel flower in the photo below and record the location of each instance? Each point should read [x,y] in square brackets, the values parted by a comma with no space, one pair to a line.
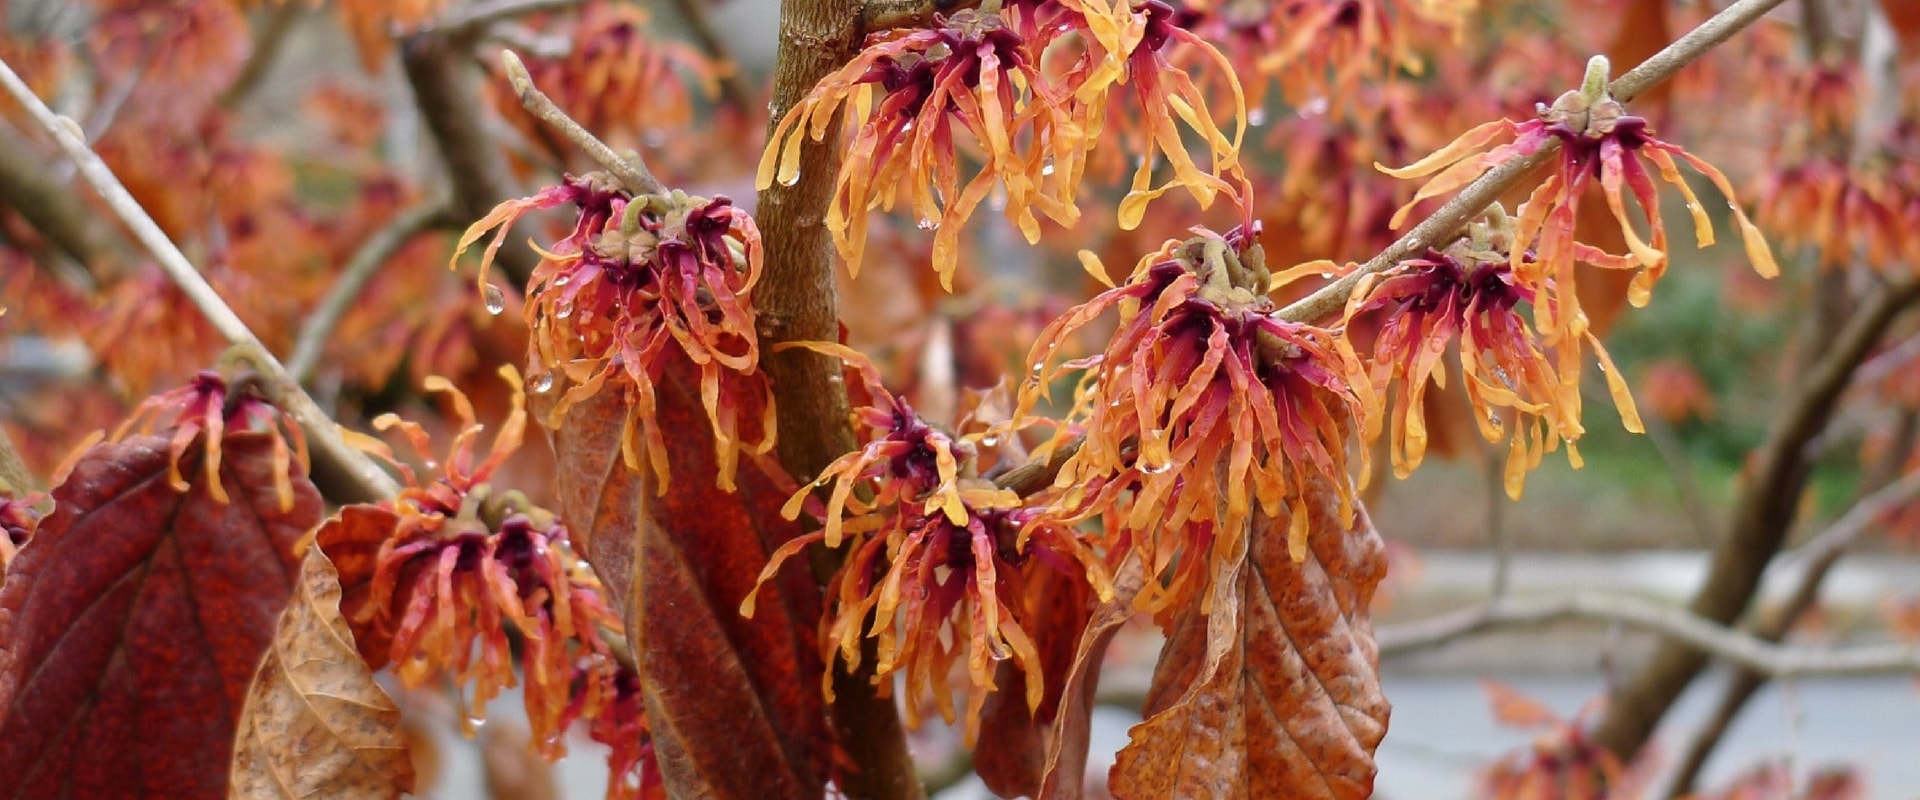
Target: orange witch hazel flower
[1599,139]
[1204,404]
[465,563]
[939,558]
[906,93]
[205,409]
[1467,291]
[638,279]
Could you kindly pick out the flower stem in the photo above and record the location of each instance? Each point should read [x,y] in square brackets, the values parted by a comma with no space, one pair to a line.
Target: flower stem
[630,169]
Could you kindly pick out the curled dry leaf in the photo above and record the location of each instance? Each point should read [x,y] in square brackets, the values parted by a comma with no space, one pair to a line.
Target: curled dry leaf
[736,709]
[315,724]
[1276,693]
[130,630]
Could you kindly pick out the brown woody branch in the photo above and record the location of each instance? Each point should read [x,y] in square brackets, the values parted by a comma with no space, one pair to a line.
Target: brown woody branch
[47,204]
[796,301]
[446,93]
[1758,528]
[266,50]
[364,480]
[359,269]
[1820,555]
[1674,624]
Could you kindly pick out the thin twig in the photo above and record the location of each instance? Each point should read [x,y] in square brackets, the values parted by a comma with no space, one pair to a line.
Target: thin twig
[1850,526]
[353,278]
[1477,196]
[1675,623]
[631,170]
[321,431]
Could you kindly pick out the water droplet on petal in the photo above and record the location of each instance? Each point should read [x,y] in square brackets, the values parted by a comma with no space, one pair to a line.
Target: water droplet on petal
[927,224]
[542,382]
[476,723]
[562,280]
[1047,168]
[989,440]
[564,311]
[789,180]
[496,300]
[1155,468]
[1257,116]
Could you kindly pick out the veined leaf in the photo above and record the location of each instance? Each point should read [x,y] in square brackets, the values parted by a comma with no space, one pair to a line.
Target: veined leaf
[1276,692]
[315,723]
[130,629]
[735,704]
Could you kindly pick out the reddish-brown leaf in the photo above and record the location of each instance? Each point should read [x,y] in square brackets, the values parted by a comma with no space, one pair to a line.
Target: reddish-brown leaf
[1011,755]
[130,630]
[351,540]
[315,723]
[1275,692]
[734,704]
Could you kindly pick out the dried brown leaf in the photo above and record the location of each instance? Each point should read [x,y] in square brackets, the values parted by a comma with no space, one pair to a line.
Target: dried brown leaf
[1276,691]
[315,723]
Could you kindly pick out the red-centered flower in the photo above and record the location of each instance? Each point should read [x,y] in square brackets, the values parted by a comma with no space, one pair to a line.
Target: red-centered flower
[939,557]
[1563,762]
[1129,45]
[1599,140]
[1322,49]
[1203,404]
[617,78]
[1469,294]
[635,279]
[465,561]
[905,95]
[19,518]
[202,411]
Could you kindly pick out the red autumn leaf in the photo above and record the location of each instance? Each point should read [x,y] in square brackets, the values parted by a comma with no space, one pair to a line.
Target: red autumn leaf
[132,626]
[734,704]
[1011,754]
[1275,690]
[351,540]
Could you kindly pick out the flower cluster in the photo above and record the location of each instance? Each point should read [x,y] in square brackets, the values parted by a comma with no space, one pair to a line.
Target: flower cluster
[1203,405]
[1599,141]
[939,558]
[1322,48]
[202,411]
[1468,292]
[463,565]
[981,71]
[617,79]
[641,281]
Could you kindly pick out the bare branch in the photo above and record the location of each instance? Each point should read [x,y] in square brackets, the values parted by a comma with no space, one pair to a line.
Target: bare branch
[631,170]
[1743,649]
[266,49]
[371,481]
[353,277]
[29,188]
[444,90]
